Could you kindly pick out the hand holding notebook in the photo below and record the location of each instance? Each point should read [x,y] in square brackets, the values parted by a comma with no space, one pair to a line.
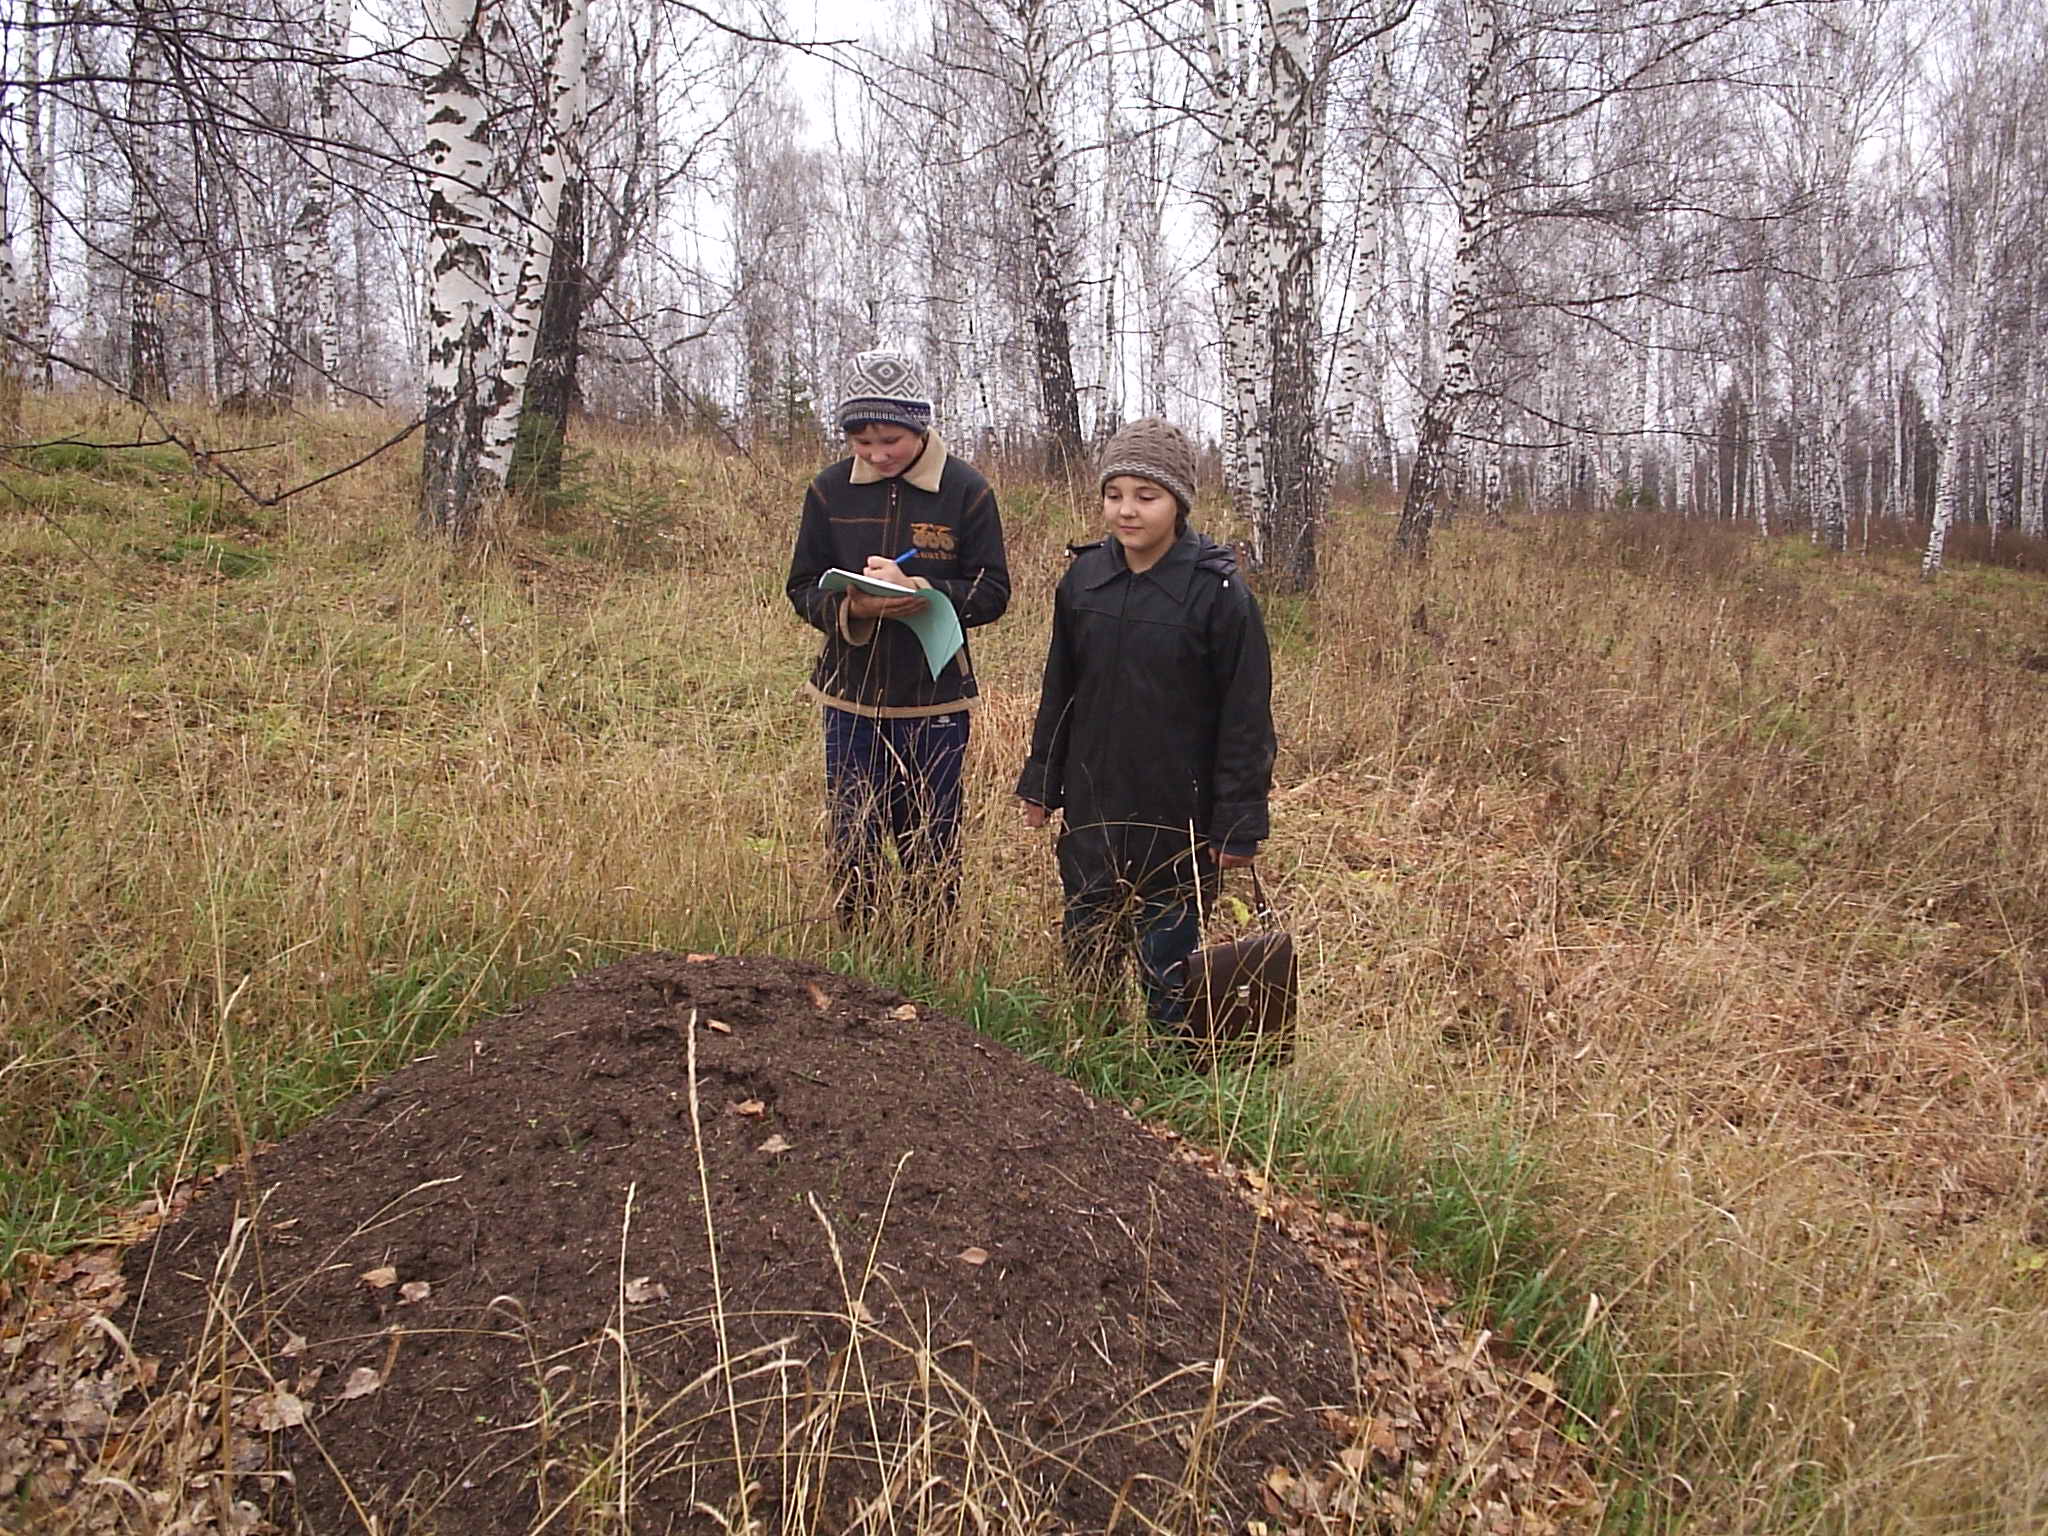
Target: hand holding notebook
[933,621]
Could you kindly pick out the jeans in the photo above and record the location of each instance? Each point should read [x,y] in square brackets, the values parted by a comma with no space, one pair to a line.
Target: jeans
[899,779]
[1161,923]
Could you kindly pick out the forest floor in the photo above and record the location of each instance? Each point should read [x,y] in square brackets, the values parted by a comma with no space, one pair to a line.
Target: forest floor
[1670,1085]
[702,1242]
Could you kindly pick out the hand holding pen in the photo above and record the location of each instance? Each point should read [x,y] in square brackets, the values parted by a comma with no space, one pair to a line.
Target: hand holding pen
[868,606]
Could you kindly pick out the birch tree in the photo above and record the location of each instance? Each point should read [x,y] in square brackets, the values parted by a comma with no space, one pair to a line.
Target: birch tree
[1454,393]
[1238,195]
[149,295]
[565,59]
[36,172]
[1360,354]
[14,329]
[318,212]
[1291,415]
[489,256]
[463,327]
[1982,153]
[1263,191]
[1052,251]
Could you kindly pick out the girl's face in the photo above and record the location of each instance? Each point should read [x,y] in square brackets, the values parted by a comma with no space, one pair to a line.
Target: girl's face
[884,447]
[1140,515]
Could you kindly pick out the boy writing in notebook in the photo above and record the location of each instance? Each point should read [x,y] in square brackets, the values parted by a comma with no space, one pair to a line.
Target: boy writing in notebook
[903,509]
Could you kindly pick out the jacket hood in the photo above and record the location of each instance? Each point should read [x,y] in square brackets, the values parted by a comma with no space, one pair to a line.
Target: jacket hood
[1220,559]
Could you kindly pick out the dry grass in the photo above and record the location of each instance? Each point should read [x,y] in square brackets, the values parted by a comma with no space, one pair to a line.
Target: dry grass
[1715,874]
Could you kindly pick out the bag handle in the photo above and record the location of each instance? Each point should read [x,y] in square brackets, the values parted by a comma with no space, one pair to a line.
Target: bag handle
[1262,904]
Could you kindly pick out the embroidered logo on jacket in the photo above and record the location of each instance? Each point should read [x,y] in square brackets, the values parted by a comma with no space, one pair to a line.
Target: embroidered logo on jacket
[933,538]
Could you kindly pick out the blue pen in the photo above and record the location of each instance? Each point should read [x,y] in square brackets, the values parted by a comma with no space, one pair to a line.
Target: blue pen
[908,554]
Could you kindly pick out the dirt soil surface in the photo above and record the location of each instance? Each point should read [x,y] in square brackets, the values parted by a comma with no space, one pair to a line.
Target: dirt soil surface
[866,1269]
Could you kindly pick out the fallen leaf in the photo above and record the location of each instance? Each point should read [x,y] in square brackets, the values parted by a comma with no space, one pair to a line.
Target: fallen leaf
[362,1381]
[294,1345]
[749,1107]
[83,1415]
[695,959]
[1277,1490]
[775,1143]
[820,998]
[975,1256]
[277,1410]
[718,1026]
[415,1290]
[860,1310]
[907,1011]
[381,1278]
[644,1289]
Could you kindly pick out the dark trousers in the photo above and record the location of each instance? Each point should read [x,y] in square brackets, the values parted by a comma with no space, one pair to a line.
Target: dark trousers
[1157,915]
[897,780]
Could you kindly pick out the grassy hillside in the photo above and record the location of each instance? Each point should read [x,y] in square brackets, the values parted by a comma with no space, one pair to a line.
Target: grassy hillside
[1675,905]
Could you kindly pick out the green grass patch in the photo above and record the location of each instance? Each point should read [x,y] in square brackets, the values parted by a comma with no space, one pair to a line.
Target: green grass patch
[229,561]
[60,458]
[118,1139]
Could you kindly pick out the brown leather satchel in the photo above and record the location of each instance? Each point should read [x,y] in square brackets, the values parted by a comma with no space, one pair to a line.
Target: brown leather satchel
[1242,993]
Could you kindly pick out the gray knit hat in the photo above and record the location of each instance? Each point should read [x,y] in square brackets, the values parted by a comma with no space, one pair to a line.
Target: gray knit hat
[885,386]
[1156,449]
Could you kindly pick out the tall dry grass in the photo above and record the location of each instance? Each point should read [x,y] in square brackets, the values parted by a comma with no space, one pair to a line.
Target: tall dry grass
[1705,878]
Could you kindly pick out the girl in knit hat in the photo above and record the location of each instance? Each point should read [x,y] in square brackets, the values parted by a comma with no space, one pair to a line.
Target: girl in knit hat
[1154,736]
[903,509]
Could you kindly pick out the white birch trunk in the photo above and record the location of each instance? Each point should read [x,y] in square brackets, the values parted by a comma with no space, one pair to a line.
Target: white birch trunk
[1356,349]
[1240,254]
[462,316]
[1493,471]
[1291,431]
[327,288]
[2032,521]
[1051,326]
[1109,400]
[1556,473]
[1425,503]
[149,371]
[1831,491]
[1759,416]
[1956,385]
[1635,446]
[565,73]
[15,328]
[37,157]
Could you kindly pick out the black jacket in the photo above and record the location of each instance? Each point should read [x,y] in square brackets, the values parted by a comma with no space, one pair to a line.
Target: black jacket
[944,507]
[1155,721]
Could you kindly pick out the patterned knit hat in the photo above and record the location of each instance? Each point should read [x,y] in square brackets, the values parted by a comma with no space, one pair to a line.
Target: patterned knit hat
[885,386]
[1157,450]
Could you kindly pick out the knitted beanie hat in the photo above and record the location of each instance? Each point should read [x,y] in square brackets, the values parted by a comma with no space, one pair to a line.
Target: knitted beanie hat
[884,386]
[1156,449]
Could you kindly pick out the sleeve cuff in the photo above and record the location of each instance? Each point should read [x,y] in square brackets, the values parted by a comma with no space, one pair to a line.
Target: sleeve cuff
[1031,786]
[855,631]
[1238,826]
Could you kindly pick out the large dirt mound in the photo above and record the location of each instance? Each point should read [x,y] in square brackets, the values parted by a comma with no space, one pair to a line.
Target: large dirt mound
[932,1273]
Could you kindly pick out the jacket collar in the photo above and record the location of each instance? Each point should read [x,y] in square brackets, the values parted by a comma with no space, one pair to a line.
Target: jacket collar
[1173,571]
[924,470]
